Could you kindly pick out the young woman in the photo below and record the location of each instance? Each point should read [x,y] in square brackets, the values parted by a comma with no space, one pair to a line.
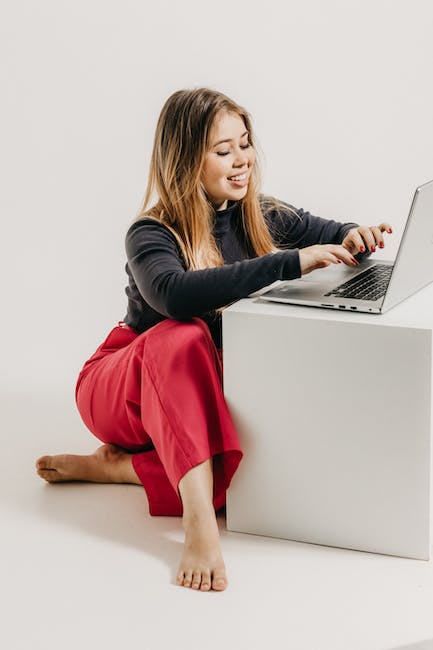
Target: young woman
[153,390]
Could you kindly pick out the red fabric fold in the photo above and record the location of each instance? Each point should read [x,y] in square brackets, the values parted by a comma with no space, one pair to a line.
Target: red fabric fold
[159,395]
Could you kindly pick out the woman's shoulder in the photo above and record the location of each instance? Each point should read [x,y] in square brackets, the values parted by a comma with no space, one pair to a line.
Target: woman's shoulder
[273,205]
[147,225]
[147,235]
[279,215]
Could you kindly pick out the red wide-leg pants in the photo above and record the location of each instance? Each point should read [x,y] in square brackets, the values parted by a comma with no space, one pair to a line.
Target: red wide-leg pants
[159,394]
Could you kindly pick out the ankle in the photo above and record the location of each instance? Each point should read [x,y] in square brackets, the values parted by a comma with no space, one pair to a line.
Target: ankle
[126,471]
[195,516]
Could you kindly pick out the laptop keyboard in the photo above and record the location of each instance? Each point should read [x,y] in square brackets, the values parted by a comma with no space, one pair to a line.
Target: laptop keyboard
[369,285]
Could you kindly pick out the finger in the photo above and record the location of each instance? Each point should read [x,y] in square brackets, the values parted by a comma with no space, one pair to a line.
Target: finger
[350,262]
[324,260]
[368,238]
[338,253]
[355,238]
[385,227]
[377,234]
[321,264]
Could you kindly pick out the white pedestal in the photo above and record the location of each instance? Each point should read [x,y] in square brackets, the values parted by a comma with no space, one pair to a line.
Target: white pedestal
[333,412]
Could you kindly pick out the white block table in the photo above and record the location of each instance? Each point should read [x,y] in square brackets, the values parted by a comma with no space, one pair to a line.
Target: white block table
[333,412]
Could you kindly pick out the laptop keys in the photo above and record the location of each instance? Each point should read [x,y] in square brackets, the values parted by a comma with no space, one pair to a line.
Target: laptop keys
[368,285]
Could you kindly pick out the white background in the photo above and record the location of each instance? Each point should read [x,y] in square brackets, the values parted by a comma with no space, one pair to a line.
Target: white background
[341,99]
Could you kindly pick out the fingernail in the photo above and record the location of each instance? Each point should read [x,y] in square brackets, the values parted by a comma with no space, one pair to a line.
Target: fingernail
[373,248]
[389,229]
[381,245]
[362,249]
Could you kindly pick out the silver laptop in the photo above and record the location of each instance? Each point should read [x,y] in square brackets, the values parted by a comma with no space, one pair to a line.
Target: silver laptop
[373,286]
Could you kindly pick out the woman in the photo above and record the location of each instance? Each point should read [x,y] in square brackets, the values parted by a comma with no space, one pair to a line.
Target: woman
[153,391]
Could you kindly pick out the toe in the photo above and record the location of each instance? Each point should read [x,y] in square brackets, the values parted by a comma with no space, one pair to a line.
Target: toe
[49,475]
[180,577]
[188,578]
[219,581]
[196,579]
[44,462]
[205,580]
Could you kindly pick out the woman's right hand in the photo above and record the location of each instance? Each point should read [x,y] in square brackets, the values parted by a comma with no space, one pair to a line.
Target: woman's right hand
[321,255]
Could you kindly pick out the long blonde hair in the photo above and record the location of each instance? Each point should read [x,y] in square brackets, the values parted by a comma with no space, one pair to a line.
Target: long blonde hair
[181,141]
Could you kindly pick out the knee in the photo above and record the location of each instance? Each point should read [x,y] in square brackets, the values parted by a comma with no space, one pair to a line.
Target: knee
[192,332]
[179,336]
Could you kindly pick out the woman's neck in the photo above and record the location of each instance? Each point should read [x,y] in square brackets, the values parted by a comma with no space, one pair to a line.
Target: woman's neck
[220,206]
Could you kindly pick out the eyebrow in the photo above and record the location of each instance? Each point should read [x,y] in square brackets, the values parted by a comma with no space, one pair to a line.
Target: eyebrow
[229,140]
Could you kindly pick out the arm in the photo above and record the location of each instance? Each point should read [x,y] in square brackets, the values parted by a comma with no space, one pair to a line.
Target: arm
[322,241]
[304,229]
[155,262]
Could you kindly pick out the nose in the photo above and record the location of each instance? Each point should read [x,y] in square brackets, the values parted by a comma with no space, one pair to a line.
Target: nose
[241,159]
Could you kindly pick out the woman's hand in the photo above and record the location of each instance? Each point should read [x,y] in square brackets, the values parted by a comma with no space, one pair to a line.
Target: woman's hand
[321,255]
[363,238]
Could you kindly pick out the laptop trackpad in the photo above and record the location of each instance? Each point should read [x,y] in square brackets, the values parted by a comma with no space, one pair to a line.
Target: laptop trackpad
[302,289]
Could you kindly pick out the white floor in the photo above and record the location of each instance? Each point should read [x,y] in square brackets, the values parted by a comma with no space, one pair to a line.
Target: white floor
[85,566]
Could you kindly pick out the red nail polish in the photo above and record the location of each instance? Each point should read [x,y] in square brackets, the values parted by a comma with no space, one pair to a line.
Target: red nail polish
[381,245]
[373,249]
[362,249]
[389,229]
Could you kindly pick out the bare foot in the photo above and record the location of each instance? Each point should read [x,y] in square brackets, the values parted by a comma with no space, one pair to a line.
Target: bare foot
[202,565]
[108,464]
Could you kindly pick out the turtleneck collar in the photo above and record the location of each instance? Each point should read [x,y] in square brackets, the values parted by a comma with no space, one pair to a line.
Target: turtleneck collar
[230,204]
[222,218]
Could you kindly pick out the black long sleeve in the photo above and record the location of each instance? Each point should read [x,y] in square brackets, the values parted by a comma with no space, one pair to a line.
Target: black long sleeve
[161,279]
[305,229]
[161,287]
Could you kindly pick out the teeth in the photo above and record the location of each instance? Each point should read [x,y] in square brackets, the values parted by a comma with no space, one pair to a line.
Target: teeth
[237,178]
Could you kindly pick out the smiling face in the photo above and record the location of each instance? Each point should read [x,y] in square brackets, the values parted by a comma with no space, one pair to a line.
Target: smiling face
[230,155]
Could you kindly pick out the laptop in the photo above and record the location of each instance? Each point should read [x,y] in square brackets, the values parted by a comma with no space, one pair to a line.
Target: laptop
[373,286]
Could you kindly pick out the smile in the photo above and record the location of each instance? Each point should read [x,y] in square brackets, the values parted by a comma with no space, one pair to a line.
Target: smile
[237,178]
[239,181]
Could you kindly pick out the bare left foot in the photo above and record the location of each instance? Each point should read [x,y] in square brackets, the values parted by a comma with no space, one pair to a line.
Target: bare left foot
[202,565]
[108,464]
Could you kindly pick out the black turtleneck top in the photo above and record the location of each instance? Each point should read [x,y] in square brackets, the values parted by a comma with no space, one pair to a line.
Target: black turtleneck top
[161,287]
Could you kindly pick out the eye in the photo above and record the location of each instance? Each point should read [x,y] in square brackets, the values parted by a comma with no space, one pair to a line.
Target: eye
[224,153]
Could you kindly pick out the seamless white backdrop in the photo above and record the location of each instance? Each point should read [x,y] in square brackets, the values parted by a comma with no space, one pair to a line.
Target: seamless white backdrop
[341,101]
